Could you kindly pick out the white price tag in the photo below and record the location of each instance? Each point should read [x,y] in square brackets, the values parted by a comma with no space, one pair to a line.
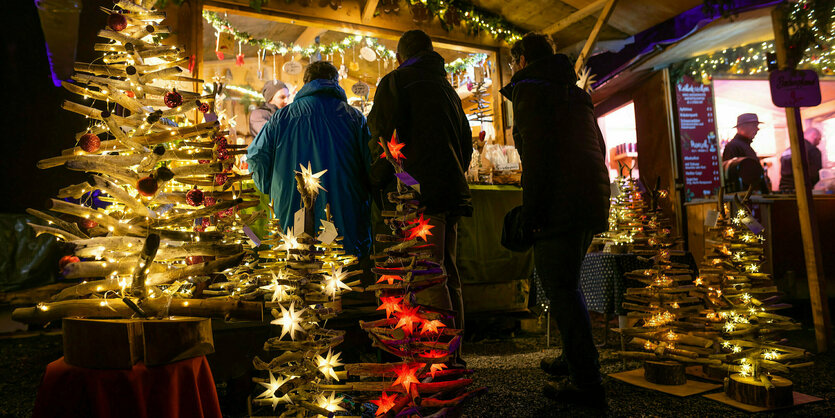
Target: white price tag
[292,67]
[711,218]
[298,222]
[328,234]
[507,167]
[360,89]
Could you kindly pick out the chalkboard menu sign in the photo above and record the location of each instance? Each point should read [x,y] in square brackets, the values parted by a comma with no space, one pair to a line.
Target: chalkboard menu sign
[697,126]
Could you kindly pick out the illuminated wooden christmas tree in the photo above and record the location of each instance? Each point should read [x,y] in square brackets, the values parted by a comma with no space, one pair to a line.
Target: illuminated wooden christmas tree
[300,275]
[625,212]
[668,342]
[741,303]
[157,221]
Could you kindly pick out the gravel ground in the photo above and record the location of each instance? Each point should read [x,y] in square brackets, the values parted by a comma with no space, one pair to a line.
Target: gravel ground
[508,366]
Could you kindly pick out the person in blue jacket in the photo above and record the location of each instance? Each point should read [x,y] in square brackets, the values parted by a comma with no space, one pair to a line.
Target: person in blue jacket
[319,127]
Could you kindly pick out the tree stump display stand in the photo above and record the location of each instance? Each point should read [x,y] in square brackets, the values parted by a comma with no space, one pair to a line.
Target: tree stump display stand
[664,372]
[121,343]
[767,391]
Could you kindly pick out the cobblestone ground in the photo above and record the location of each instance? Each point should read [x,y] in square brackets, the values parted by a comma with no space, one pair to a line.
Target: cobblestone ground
[507,362]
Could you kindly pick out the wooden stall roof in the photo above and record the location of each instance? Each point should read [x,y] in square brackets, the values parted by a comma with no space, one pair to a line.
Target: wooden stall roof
[570,21]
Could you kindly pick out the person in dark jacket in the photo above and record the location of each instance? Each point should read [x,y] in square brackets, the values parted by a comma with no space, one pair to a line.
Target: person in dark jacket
[417,100]
[747,126]
[565,199]
[319,128]
[276,96]
[813,158]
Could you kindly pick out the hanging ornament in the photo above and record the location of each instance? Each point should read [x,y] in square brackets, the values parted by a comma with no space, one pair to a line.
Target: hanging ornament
[203,107]
[292,67]
[117,22]
[452,16]
[239,59]
[225,42]
[420,13]
[88,224]
[260,72]
[221,178]
[67,259]
[147,186]
[208,201]
[335,4]
[194,197]
[89,142]
[130,93]
[173,99]
[343,71]
[354,65]
[368,54]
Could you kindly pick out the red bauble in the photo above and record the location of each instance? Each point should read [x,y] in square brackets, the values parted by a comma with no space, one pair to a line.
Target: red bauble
[67,259]
[224,213]
[204,107]
[482,135]
[221,141]
[220,179]
[203,161]
[89,223]
[117,22]
[147,186]
[173,99]
[130,94]
[208,201]
[194,197]
[223,154]
[89,142]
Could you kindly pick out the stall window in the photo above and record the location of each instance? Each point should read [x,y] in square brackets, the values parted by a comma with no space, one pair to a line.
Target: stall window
[619,133]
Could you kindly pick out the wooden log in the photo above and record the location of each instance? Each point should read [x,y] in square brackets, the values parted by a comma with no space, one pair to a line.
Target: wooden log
[116,308]
[60,233]
[123,174]
[174,339]
[751,391]
[664,372]
[66,226]
[98,344]
[121,194]
[146,257]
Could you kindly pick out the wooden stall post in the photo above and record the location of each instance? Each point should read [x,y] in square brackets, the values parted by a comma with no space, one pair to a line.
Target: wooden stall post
[805,207]
[587,48]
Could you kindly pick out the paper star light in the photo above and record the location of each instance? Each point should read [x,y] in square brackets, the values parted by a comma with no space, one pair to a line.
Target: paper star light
[390,304]
[331,403]
[289,321]
[394,148]
[407,317]
[311,180]
[333,282]
[328,363]
[273,386]
[278,290]
[288,240]
[421,230]
[432,327]
[390,278]
[406,376]
[384,404]
[436,367]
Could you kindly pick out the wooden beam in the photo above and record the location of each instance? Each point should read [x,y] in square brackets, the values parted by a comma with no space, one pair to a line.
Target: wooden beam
[574,17]
[595,32]
[819,111]
[348,20]
[805,205]
[368,10]
[309,36]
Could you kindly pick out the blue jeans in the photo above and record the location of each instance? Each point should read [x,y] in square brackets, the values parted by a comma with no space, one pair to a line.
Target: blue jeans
[558,260]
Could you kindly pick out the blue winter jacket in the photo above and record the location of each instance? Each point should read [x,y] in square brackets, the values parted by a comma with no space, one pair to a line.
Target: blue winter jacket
[321,128]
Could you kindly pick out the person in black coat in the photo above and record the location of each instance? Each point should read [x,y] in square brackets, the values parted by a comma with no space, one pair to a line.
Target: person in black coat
[747,126]
[417,100]
[813,159]
[565,199]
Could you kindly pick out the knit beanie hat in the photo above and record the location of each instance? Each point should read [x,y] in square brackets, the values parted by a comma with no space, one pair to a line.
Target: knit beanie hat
[271,88]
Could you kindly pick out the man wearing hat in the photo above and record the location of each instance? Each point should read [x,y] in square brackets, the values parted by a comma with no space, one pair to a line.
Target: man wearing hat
[747,125]
[276,96]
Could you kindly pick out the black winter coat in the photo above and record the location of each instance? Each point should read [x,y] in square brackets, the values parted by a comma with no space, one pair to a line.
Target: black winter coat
[564,178]
[419,102]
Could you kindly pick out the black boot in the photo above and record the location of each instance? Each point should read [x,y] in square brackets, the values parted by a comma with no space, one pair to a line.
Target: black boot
[592,396]
[555,366]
